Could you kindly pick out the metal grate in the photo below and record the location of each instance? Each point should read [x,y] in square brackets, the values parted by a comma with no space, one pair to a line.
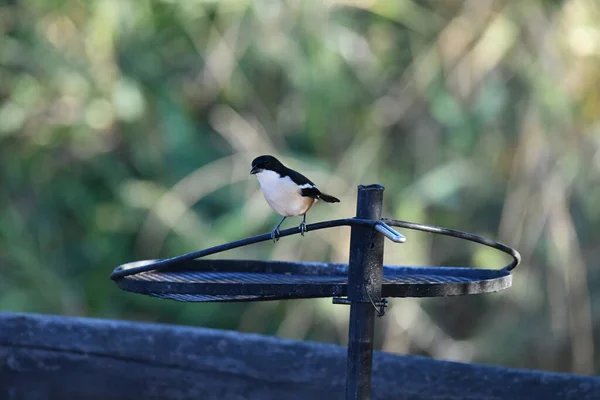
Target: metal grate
[243,280]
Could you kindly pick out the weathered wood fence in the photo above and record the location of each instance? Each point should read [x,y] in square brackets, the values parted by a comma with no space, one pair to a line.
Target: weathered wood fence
[53,357]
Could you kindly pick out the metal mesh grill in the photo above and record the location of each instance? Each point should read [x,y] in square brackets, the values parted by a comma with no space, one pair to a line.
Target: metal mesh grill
[237,278]
[203,298]
[243,280]
[282,279]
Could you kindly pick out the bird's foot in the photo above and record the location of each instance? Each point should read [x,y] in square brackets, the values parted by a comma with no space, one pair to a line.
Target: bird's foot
[275,235]
[303,228]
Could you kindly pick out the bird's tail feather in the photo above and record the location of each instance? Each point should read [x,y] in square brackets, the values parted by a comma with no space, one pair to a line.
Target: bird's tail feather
[328,199]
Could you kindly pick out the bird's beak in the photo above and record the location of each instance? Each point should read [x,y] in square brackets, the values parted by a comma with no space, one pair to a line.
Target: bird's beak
[255,170]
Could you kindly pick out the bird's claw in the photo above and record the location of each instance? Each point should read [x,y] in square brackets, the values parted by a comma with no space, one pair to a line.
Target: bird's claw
[302,228]
[275,235]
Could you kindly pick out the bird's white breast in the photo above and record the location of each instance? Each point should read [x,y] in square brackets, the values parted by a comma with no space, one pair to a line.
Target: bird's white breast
[282,194]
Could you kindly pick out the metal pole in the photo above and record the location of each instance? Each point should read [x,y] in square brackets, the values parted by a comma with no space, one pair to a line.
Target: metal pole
[364,290]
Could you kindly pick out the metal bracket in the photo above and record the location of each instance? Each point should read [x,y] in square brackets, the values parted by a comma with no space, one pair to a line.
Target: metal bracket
[389,232]
[380,306]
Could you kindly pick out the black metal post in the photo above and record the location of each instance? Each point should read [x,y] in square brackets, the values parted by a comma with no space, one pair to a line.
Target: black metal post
[364,290]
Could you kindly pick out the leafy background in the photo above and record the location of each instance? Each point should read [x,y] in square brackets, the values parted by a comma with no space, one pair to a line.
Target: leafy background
[127,129]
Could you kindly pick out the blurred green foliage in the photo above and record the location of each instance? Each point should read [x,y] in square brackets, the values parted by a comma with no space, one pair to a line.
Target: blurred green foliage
[127,129]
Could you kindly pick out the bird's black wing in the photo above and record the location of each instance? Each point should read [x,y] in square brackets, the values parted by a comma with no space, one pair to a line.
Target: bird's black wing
[307,188]
[317,194]
[298,178]
[310,192]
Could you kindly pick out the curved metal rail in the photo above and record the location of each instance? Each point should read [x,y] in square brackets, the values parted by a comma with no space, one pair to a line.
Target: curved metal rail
[382,226]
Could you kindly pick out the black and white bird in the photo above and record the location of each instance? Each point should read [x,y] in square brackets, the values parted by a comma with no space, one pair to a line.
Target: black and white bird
[288,192]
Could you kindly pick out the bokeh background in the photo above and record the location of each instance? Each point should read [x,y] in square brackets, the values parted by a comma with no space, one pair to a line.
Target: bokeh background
[127,129]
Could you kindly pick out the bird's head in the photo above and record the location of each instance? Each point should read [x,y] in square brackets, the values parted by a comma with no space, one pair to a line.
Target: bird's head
[266,162]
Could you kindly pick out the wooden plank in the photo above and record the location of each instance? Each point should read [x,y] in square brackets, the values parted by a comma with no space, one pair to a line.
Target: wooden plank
[53,357]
